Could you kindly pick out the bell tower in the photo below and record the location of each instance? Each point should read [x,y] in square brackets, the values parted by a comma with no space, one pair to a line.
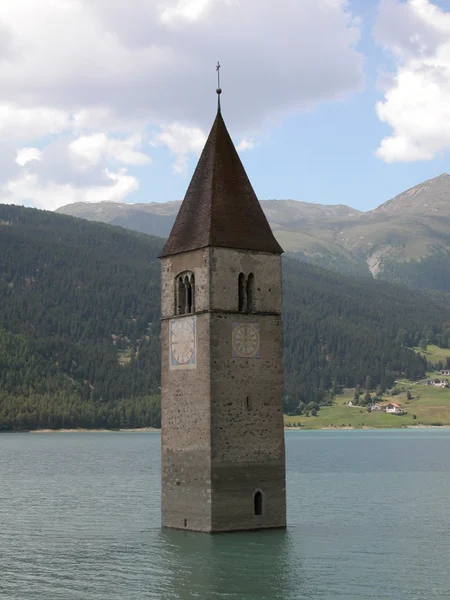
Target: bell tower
[222,442]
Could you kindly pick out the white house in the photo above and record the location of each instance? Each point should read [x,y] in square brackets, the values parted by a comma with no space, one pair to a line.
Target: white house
[375,407]
[394,408]
[438,382]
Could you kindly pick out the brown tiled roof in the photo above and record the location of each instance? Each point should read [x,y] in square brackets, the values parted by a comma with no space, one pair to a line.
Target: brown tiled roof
[220,207]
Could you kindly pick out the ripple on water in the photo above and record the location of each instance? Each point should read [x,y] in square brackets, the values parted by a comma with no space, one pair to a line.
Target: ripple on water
[368,512]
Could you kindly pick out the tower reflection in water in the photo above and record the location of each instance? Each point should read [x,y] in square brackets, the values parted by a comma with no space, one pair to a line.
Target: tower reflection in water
[244,566]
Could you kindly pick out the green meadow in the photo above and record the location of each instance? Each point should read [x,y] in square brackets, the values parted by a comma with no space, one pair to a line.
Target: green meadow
[428,406]
[434,354]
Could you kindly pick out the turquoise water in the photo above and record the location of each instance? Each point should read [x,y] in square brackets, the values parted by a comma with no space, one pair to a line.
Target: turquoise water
[368,512]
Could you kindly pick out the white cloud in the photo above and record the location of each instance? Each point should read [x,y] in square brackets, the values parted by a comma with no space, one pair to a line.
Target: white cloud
[181,141]
[26,155]
[29,190]
[87,82]
[124,56]
[19,124]
[246,144]
[416,101]
[98,148]
[184,10]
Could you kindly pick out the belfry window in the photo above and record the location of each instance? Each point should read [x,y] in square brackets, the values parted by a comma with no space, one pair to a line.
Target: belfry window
[241,292]
[258,503]
[185,294]
[192,283]
[250,292]
[246,293]
[181,296]
[188,288]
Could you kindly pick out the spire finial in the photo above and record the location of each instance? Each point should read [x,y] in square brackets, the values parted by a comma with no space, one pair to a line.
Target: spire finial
[219,89]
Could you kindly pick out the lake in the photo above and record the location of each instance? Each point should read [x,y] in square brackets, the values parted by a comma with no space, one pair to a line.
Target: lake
[368,514]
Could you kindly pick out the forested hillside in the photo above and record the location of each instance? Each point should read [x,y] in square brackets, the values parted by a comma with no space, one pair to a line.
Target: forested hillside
[79,322]
[431,272]
[79,326]
[340,330]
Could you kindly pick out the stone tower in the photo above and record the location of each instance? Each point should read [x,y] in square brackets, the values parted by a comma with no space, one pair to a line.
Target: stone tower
[223,456]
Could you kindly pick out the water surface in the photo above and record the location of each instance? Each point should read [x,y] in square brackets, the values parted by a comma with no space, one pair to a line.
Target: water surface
[368,513]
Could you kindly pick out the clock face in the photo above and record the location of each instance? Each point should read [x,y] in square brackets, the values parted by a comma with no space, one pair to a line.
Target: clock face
[182,343]
[246,340]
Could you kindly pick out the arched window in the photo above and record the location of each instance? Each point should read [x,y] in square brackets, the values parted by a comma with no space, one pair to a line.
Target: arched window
[241,292]
[251,293]
[187,285]
[192,293]
[181,300]
[185,294]
[258,503]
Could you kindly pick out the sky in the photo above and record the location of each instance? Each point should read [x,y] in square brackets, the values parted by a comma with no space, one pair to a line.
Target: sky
[327,101]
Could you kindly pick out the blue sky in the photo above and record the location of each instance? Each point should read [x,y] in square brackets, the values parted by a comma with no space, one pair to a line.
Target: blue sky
[325,154]
[329,101]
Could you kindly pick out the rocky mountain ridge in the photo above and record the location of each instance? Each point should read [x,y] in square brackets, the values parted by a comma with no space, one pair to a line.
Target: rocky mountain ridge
[401,240]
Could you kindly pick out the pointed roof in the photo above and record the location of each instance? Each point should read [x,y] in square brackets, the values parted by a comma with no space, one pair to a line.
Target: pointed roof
[220,207]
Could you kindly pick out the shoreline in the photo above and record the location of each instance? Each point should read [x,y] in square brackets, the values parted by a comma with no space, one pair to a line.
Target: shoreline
[83,430]
[155,430]
[366,427]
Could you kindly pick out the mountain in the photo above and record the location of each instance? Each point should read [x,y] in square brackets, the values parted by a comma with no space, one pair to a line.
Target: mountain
[432,197]
[405,240]
[292,223]
[152,218]
[79,325]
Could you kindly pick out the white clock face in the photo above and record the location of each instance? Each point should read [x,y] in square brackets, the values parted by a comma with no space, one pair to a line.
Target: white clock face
[182,343]
[246,340]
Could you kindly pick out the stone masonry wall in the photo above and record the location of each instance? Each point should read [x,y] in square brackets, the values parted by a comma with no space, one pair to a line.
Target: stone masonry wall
[196,261]
[186,425]
[222,422]
[247,428]
[225,268]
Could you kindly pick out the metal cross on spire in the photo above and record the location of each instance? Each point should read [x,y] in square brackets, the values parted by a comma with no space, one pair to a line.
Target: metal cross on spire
[219,89]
